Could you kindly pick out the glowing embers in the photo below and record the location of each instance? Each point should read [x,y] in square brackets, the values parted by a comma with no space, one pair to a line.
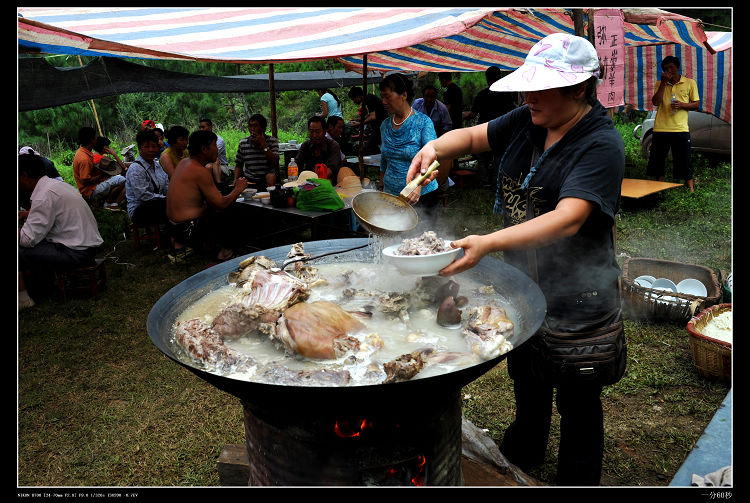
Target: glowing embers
[404,473]
[401,472]
[350,429]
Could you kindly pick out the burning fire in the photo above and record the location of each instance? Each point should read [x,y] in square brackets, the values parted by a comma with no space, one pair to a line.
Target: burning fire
[418,479]
[413,470]
[350,429]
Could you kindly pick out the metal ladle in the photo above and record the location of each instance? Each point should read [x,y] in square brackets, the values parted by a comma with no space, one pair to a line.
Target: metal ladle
[384,214]
[306,258]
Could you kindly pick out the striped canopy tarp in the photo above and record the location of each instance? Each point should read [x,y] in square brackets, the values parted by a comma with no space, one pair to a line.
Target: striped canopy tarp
[236,34]
[403,39]
[504,37]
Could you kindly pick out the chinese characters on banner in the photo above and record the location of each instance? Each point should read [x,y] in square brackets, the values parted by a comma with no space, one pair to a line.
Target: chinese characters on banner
[609,41]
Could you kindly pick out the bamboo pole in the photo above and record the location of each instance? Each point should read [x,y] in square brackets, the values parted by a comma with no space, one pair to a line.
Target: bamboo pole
[96,116]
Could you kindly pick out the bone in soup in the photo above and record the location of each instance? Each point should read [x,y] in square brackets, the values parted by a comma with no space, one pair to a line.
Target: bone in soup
[341,324]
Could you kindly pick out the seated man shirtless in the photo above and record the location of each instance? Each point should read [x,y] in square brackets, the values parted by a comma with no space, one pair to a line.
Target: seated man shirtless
[196,210]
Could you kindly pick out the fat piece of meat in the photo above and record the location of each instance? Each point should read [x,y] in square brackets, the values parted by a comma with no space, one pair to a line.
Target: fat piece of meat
[448,313]
[246,268]
[404,367]
[319,330]
[281,375]
[270,293]
[488,331]
[205,345]
[239,319]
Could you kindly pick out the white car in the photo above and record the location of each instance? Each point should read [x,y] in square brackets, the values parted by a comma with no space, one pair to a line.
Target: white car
[708,134]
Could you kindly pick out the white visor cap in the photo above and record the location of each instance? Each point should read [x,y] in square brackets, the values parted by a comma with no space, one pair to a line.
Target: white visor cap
[558,60]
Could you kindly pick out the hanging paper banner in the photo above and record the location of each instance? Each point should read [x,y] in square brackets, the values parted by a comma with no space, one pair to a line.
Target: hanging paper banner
[609,31]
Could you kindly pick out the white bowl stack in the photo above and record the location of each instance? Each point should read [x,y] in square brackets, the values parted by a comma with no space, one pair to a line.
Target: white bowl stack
[689,286]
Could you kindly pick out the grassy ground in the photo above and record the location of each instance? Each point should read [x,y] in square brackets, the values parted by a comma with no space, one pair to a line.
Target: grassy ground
[100,405]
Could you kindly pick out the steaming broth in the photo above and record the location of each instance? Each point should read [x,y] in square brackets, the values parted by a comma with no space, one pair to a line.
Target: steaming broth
[420,330]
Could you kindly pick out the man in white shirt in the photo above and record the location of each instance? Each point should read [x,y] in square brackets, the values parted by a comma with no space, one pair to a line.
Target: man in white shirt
[60,231]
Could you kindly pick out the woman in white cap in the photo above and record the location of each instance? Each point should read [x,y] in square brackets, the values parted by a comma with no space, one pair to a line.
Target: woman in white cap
[559,178]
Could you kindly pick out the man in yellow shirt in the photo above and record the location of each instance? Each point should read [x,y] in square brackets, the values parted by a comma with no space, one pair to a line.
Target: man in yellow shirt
[675,95]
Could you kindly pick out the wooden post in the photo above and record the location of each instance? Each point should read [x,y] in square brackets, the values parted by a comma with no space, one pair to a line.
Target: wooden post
[272,90]
[362,118]
[577,15]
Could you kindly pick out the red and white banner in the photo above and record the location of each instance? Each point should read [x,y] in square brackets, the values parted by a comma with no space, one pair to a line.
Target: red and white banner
[609,40]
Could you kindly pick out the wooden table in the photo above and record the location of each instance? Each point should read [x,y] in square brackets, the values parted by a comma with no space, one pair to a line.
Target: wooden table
[268,223]
[367,160]
[371,164]
[635,189]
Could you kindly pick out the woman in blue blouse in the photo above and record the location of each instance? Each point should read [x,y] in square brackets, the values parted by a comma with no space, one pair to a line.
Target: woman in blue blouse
[403,134]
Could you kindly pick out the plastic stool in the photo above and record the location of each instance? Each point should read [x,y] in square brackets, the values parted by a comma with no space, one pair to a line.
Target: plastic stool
[83,279]
[152,233]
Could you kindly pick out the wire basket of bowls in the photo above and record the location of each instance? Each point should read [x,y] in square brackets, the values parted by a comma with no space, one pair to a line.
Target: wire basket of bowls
[665,290]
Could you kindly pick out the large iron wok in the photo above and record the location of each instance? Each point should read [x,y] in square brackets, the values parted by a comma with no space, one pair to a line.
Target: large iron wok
[523,293]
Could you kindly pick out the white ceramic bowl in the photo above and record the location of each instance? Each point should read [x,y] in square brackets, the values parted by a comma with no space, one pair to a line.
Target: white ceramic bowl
[664,284]
[249,193]
[264,200]
[662,298]
[692,286]
[420,265]
[644,281]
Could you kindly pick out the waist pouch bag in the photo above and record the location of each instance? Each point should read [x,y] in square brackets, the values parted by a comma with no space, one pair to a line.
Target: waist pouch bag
[318,194]
[593,353]
[573,352]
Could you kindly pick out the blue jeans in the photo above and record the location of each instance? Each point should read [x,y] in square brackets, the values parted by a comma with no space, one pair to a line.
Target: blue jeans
[103,188]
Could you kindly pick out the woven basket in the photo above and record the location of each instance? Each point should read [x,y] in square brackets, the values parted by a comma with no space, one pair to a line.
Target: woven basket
[711,357]
[648,303]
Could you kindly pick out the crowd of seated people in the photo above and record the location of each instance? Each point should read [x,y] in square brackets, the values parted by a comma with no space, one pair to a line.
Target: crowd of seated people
[173,178]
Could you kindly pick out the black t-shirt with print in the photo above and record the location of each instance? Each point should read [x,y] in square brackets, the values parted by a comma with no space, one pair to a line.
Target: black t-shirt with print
[587,163]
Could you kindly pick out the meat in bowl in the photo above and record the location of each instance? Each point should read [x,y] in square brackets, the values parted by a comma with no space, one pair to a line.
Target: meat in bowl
[425,255]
